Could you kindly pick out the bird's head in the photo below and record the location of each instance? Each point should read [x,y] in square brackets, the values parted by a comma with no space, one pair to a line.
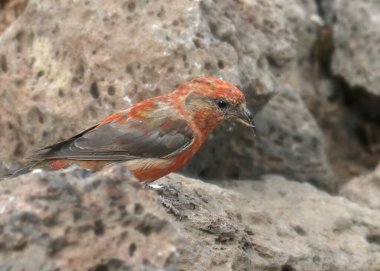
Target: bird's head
[210,101]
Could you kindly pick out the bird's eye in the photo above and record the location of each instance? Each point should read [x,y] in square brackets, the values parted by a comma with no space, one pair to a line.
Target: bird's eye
[222,104]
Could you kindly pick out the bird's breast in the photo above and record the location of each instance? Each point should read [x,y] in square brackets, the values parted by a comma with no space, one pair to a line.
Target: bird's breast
[151,169]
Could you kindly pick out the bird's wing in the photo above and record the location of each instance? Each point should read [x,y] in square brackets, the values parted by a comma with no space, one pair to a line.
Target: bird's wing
[161,134]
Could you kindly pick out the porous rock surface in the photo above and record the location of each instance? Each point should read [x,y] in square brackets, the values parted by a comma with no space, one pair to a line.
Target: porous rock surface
[347,113]
[364,189]
[72,221]
[107,221]
[9,11]
[273,224]
[357,43]
[66,66]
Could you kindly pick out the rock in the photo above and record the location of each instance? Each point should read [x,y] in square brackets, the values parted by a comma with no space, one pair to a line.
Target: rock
[356,38]
[9,11]
[364,189]
[71,64]
[76,220]
[341,112]
[273,224]
[304,74]
[72,221]
[356,68]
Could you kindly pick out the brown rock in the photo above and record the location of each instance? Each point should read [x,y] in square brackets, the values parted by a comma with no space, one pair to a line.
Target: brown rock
[9,11]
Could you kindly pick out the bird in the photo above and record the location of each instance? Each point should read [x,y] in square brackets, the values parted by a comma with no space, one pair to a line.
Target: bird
[153,137]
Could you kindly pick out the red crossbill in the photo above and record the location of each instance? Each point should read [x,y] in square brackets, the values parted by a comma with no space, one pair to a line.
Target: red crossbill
[155,136]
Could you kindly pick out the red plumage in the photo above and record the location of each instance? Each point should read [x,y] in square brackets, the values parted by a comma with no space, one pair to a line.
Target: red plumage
[153,137]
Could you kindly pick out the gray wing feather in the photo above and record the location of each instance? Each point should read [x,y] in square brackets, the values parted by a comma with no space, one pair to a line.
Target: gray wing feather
[129,140]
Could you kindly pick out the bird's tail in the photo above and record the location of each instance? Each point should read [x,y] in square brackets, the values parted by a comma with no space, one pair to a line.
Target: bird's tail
[58,164]
[47,165]
[28,168]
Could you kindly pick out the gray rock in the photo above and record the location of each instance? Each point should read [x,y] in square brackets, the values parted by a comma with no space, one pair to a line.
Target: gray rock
[80,221]
[70,65]
[357,43]
[350,139]
[364,189]
[76,221]
[274,224]
[304,74]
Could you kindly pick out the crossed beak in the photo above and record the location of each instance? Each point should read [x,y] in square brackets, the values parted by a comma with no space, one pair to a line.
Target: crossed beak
[245,117]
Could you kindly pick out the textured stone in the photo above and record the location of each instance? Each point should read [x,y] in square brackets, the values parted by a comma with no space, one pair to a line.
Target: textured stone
[274,224]
[9,11]
[71,64]
[352,141]
[106,221]
[364,189]
[303,73]
[75,221]
[357,43]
